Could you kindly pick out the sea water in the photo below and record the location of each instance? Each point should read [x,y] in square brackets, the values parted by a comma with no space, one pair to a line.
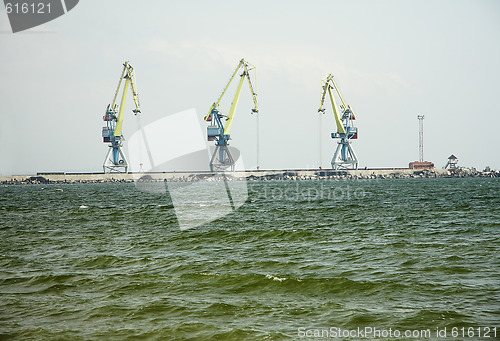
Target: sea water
[416,258]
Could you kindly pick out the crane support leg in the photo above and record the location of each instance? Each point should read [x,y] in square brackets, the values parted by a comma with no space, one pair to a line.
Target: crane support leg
[344,157]
[221,160]
[115,161]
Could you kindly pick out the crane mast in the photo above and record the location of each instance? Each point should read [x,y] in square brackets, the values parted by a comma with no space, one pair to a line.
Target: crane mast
[115,160]
[218,131]
[344,156]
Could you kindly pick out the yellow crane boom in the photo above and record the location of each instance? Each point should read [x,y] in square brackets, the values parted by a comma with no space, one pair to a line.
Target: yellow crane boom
[129,76]
[247,67]
[327,88]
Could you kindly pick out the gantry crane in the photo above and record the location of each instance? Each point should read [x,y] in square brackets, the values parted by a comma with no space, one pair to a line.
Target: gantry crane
[217,131]
[115,158]
[344,157]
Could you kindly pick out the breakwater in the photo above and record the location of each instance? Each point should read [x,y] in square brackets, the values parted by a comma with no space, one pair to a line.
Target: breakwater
[253,175]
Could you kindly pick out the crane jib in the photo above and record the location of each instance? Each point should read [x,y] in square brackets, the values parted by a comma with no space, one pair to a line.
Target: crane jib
[234,106]
[119,122]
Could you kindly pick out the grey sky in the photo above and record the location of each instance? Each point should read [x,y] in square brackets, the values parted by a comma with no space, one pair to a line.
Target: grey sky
[392,61]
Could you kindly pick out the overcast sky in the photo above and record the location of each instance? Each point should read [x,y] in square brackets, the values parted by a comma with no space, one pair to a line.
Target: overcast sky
[393,60]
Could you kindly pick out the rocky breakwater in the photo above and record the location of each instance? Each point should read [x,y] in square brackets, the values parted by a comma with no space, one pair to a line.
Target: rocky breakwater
[374,174]
[71,179]
[269,175]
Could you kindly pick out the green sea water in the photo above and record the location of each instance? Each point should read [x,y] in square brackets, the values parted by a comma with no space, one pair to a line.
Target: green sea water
[296,260]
